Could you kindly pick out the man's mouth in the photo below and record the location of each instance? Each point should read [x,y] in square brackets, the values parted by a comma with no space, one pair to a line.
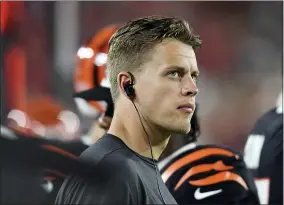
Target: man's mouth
[189,108]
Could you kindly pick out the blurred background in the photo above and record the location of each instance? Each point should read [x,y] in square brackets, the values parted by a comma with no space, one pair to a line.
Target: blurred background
[240,62]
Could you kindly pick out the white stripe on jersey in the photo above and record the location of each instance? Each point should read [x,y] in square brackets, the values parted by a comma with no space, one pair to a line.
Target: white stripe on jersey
[165,161]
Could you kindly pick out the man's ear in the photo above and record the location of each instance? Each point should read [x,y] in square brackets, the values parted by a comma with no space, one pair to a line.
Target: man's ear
[123,78]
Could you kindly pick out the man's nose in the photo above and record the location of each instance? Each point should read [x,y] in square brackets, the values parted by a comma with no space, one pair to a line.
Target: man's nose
[190,88]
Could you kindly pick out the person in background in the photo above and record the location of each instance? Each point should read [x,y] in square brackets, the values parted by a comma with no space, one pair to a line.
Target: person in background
[264,154]
[92,87]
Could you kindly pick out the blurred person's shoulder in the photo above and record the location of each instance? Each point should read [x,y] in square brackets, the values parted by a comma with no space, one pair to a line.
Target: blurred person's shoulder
[265,141]
[264,155]
[76,147]
[181,152]
[268,122]
[194,153]
[189,171]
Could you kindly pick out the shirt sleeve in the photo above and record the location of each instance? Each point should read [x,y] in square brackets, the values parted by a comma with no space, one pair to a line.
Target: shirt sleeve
[110,186]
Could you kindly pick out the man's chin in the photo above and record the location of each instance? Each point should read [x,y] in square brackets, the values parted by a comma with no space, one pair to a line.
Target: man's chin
[175,128]
[180,130]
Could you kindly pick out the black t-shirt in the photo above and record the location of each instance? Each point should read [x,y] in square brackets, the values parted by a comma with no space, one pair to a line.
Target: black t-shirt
[264,156]
[120,176]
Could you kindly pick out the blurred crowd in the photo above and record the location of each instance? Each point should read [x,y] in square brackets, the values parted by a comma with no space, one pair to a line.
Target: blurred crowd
[240,62]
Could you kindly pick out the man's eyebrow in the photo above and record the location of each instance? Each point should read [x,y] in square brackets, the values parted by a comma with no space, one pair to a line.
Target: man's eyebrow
[176,67]
[196,72]
[182,69]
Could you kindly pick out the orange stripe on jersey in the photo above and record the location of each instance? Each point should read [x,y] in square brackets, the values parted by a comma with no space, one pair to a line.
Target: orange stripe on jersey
[60,151]
[193,157]
[218,166]
[220,177]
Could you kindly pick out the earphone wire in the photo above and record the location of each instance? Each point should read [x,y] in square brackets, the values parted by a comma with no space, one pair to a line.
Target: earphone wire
[150,144]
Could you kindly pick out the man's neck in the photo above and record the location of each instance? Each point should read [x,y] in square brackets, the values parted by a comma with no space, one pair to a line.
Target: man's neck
[157,150]
[131,132]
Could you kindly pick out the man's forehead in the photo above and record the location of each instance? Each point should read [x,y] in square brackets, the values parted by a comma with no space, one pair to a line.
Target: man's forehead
[191,59]
[189,56]
[172,53]
[175,48]
[174,45]
[185,60]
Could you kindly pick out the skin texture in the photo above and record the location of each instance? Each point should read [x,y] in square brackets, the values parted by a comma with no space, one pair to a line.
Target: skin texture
[162,84]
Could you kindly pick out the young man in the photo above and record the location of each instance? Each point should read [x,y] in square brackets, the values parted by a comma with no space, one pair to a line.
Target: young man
[153,71]
[186,193]
[264,155]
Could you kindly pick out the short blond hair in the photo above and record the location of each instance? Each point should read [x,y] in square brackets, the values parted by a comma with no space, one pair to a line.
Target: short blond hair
[129,45]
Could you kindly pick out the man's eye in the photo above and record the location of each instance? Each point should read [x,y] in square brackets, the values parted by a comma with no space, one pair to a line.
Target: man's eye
[194,77]
[173,74]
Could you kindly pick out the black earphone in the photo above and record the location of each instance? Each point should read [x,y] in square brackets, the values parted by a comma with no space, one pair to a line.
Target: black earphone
[130,92]
[129,89]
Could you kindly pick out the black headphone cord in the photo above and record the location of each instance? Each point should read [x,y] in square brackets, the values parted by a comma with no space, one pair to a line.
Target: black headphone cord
[150,144]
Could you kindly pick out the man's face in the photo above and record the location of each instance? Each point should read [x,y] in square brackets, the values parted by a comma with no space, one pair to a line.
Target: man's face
[166,87]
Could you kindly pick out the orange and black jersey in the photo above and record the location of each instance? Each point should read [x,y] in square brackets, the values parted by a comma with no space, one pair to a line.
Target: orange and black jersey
[264,156]
[208,174]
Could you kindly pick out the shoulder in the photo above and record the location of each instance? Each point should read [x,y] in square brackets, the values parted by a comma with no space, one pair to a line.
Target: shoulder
[110,154]
[192,153]
[268,123]
[119,162]
[194,157]
[74,147]
[116,166]
[177,154]
[208,167]
[265,142]
[112,174]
